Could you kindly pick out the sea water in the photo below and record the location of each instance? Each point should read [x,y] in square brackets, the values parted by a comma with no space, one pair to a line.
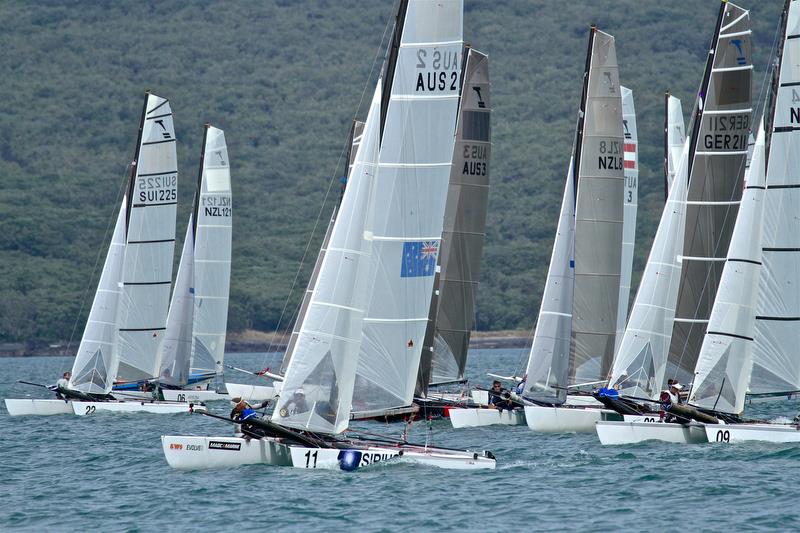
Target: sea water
[106,472]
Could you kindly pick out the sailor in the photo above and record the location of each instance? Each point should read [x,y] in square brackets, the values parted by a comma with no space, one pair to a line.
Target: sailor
[675,389]
[298,402]
[499,398]
[63,383]
[520,388]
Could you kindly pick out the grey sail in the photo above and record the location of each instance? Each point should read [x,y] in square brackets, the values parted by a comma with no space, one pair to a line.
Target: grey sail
[444,355]
[599,170]
[149,244]
[717,157]
[356,133]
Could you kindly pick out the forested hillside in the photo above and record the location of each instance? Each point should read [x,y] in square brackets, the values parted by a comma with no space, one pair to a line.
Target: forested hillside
[284,78]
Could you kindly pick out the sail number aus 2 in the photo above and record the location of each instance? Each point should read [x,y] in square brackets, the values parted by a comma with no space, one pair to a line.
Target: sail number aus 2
[437,79]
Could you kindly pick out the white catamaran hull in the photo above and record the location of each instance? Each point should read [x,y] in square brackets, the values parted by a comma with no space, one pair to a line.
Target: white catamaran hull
[26,407]
[82,408]
[482,416]
[612,433]
[181,395]
[190,453]
[752,432]
[566,419]
[250,393]
[353,458]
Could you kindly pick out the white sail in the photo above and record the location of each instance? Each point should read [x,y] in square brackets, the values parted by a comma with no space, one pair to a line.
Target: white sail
[95,364]
[150,243]
[212,256]
[776,365]
[599,217]
[725,361]
[675,138]
[631,193]
[318,385]
[407,208]
[645,344]
[549,355]
[198,313]
[175,351]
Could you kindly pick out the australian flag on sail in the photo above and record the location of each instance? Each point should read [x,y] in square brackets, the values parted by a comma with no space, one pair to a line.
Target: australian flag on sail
[419,259]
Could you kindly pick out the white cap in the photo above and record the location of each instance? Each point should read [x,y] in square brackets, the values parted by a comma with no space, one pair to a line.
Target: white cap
[677,386]
[300,391]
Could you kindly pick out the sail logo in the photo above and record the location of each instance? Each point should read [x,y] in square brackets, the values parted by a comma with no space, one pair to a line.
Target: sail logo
[419,259]
[738,44]
[350,460]
[220,445]
[481,103]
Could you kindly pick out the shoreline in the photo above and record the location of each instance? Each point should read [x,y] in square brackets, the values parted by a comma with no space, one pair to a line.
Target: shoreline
[258,341]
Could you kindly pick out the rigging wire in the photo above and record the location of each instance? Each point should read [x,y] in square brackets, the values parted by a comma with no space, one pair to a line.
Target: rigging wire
[272,345]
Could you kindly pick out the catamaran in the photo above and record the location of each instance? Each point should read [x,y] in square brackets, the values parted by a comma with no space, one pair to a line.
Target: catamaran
[362,332]
[128,316]
[673,305]
[590,268]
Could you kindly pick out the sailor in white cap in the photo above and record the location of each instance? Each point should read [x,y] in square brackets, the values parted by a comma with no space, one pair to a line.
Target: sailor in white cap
[675,393]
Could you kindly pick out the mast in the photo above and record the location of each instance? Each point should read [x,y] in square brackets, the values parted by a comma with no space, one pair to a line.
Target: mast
[391,62]
[132,177]
[700,101]
[582,111]
[666,145]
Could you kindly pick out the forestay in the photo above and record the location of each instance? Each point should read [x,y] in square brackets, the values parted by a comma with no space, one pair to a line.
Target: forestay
[407,207]
[776,362]
[318,384]
[726,356]
[198,315]
[444,355]
[598,218]
[631,200]
[95,364]
[150,242]
[718,151]
[356,132]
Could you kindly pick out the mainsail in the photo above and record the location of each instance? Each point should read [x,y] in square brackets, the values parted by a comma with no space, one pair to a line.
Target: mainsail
[356,131]
[674,138]
[725,360]
[318,384]
[717,157]
[149,243]
[599,173]
[631,199]
[557,345]
[198,315]
[444,355]
[95,364]
[406,211]
[776,365]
